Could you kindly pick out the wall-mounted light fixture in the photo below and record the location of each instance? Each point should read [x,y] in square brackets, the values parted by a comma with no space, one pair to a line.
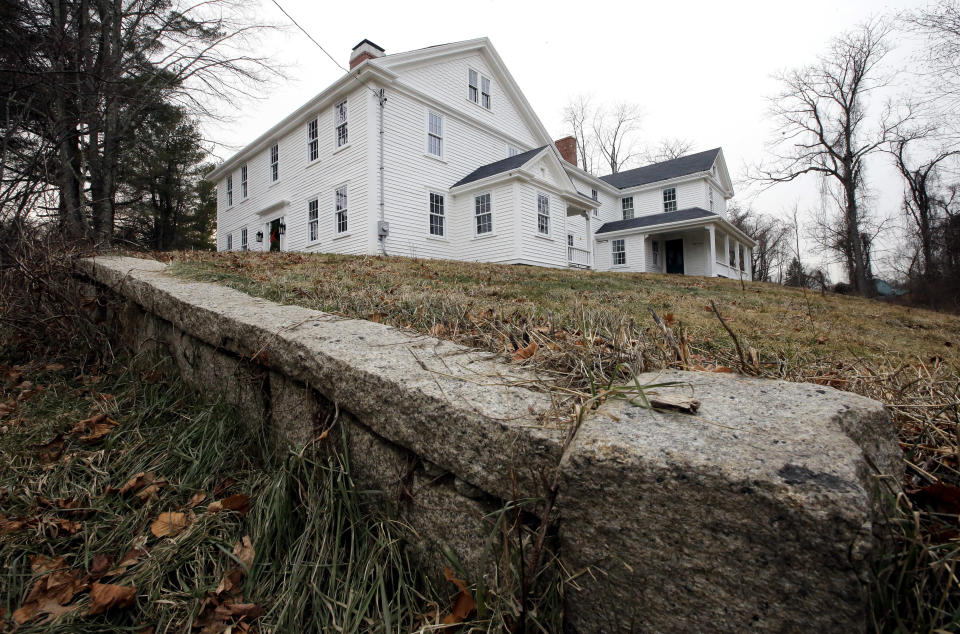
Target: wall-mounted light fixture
[259,236]
[283,228]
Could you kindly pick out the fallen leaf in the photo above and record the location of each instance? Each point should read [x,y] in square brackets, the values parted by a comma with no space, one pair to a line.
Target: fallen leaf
[722,369]
[239,503]
[438,330]
[106,596]
[94,428]
[522,354]
[169,524]
[99,566]
[463,604]
[66,526]
[822,340]
[128,560]
[137,482]
[196,499]
[32,610]
[52,451]
[51,593]
[54,367]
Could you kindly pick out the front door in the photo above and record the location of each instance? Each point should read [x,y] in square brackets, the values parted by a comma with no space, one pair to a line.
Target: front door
[275,235]
[674,249]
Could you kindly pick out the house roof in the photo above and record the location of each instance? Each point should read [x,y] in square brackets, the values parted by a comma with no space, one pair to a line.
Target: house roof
[693,213]
[690,164]
[498,167]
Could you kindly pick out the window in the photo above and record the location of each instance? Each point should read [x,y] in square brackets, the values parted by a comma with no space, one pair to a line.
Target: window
[340,121]
[670,199]
[340,209]
[478,88]
[569,239]
[482,212]
[243,239]
[313,141]
[626,205]
[743,266]
[656,253]
[274,162]
[243,181]
[512,151]
[710,196]
[543,214]
[733,253]
[229,242]
[435,135]
[313,219]
[619,252]
[436,214]
[230,190]
[593,194]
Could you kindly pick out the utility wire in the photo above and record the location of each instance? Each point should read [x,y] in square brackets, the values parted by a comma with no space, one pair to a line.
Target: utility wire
[332,58]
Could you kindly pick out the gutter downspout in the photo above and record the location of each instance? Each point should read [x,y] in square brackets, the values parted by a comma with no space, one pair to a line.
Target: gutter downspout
[382,99]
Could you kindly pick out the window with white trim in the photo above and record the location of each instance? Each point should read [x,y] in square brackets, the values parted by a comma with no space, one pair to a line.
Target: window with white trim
[313,219]
[619,248]
[229,242]
[340,209]
[478,88]
[593,194]
[512,150]
[436,214]
[670,199]
[483,213]
[274,162]
[340,122]
[313,141]
[626,206]
[435,134]
[569,239]
[229,190]
[243,239]
[243,181]
[543,214]
[655,246]
[710,196]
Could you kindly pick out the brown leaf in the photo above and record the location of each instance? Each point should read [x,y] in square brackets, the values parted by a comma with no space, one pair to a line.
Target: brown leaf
[438,330]
[94,428]
[722,369]
[66,526]
[137,482]
[55,588]
[239,503]
[54,367]
[377,317]
[32,610]
[244,552]
[169,524]
[128,560]
[52,451]
[99,566]
[522,354]
[463,604]
[196,499]
[106,596]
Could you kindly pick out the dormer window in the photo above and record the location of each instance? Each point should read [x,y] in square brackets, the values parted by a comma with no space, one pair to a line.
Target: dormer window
[478,88]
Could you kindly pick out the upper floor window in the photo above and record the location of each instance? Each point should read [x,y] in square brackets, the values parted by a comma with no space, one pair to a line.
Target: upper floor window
[512,150]
[670,199]
[313,219]
[243,181]
[243,239]
[230,190]
[478,90]
[626,205]
[543,214]
[340,209]
[483,213]
[340,121]
[274,162]
[710,196]
[435,134]
[229,242]
[619,251]
[436,214]
[313,141]
[593,194]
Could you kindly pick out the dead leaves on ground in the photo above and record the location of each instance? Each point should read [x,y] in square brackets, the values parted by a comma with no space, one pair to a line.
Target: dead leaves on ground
[522,354]
[51,593]
[94,428]
[146,485]
[169,524]
[463,603]
[107,596]
[224,609]
[239,503]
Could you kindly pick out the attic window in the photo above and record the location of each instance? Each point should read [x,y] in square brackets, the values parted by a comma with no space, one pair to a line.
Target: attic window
[478,88]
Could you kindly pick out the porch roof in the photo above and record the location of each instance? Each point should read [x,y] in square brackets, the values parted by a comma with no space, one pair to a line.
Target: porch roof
[498,167]
[681,215]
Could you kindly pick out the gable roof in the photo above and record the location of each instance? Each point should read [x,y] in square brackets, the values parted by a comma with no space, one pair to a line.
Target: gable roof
[497,167]
[693,213]
[690,164]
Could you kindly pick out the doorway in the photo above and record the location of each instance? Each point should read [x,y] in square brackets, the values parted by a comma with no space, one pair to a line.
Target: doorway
[674,256]
[274,233]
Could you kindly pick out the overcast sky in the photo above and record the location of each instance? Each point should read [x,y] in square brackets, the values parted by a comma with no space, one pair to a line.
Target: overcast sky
[701,71]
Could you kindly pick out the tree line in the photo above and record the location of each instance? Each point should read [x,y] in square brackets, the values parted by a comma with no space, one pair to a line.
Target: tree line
[101,125]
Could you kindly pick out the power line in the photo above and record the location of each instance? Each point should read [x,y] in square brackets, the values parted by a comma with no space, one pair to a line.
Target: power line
[320,46]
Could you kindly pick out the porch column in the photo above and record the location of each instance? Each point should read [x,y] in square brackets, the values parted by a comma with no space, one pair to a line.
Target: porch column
[726,252]
[643,252]
[711,251]
[736,257]
[593,265]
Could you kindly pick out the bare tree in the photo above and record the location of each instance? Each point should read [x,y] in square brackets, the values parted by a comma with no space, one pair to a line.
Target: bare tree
[823,128]
[614,130]
[939,25]
[578,115]
[772,237]
[668,149]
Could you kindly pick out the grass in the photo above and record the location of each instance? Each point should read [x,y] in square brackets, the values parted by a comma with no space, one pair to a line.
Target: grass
[596,328]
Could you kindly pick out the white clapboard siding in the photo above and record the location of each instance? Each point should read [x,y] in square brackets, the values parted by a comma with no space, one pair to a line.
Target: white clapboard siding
[536,248]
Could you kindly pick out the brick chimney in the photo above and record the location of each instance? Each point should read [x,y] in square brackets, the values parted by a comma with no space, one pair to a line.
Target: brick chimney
[363,51]
[567,146]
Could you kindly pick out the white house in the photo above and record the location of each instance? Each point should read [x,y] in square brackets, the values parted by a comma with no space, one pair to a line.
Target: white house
[436,153]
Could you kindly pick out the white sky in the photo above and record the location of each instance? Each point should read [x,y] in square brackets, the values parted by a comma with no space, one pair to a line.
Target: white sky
[700,70]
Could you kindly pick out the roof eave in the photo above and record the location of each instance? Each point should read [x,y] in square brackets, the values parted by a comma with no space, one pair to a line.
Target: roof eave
[681,224]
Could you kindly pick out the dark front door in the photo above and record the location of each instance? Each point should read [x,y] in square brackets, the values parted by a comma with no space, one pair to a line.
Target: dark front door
[275,235]
[674,249]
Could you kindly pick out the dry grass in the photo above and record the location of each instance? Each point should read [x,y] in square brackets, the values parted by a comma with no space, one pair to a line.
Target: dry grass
[593,328]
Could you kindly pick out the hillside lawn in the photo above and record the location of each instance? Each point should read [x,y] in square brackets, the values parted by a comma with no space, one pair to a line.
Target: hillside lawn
[592,329]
